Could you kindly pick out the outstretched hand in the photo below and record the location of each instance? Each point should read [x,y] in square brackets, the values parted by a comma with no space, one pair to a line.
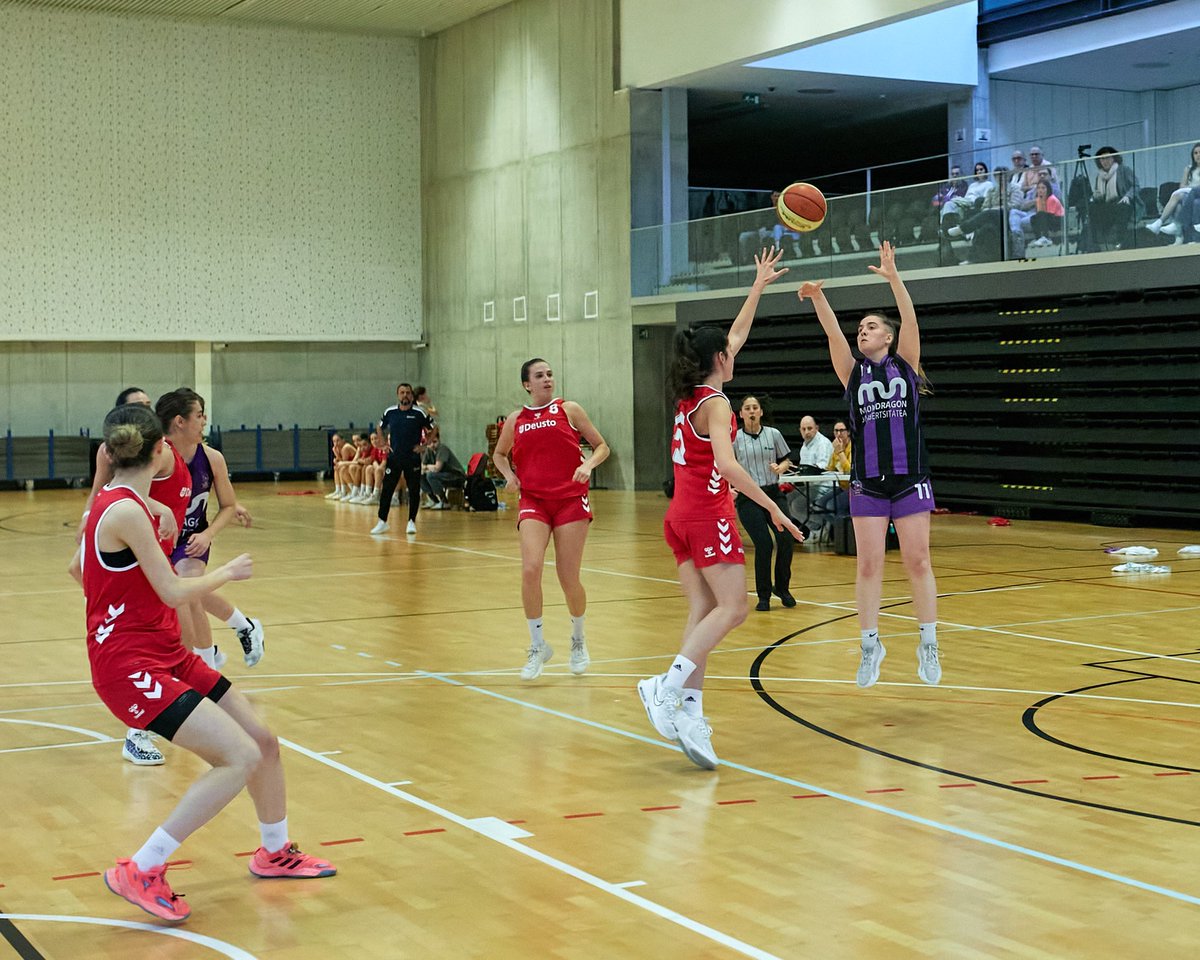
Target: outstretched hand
[764,264]
[808,288]
[887,262]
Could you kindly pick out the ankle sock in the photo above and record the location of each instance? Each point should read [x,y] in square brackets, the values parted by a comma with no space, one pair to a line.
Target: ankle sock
[678,673]
[870,637]
[156,851]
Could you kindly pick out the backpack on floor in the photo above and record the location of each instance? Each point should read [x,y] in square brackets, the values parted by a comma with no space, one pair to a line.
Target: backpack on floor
[479,491]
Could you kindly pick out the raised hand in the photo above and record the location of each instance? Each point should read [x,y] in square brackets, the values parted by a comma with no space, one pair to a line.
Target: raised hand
[764,264]
[887,263]
[808,288]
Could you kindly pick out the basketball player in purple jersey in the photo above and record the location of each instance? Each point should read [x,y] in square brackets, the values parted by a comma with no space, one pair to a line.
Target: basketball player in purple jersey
[889,474]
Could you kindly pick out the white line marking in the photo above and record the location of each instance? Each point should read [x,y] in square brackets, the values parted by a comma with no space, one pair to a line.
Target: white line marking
[362,653]
[57,746]
[218,946]
[399,783]
[856,801]
[499,829]
[632,883]
[488,832]
[61,726]
[337,646]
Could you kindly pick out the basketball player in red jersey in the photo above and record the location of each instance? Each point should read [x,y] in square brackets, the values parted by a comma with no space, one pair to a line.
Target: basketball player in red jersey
[701,522]
[143,673]
[539,454]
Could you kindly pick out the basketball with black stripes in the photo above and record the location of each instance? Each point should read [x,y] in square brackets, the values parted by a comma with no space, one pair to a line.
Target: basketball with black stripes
[801,207]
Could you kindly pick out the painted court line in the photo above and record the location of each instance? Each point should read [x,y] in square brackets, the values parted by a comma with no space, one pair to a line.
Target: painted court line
[859,802]
[217,946]
[491,832]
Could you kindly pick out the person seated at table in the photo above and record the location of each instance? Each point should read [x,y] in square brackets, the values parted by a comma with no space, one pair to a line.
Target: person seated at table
[814,452]
[836,501]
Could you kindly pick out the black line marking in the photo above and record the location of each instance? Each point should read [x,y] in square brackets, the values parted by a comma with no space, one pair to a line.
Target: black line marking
[16,939]
[756,683]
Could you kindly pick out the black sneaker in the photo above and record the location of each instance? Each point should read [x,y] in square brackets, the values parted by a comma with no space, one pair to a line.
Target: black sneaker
[763,604]
[785,598]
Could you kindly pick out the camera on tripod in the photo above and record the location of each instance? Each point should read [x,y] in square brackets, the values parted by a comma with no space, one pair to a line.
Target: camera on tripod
[1083,149]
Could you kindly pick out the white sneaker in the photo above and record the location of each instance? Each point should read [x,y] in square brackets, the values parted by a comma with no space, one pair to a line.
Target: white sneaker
[538,656]
[1170,229]
[411,528]
[373,497]
[662,705]
[380,527]
[251,638]
[868,666]
[579,656]
[336,495]
[929,668]
[1155,226]
[139,749]
[695,738]
[395,499]
[955,231]
[219,658]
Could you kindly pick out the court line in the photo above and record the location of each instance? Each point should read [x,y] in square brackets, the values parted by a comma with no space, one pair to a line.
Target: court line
[482,828]
[99,737]
[859,802]
[218,946]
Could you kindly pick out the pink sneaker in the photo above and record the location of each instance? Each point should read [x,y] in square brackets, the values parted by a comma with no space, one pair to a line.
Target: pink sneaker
[289,863]
[148,890]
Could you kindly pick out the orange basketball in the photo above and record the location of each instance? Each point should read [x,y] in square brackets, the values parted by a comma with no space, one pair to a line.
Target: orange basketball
[801,207]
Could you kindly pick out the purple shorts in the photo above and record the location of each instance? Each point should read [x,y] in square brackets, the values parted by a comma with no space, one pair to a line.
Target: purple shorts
[891,497]
[178,553]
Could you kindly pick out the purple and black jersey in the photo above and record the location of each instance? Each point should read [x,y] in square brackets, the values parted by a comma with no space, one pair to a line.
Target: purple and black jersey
[197,511]
[885,421]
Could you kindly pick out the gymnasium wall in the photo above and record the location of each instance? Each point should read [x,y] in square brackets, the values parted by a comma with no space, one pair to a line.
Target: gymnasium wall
[69,386]
[525,162]
[170,180]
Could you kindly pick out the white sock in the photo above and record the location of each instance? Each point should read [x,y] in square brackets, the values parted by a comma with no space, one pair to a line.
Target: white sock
[157,850]
[535,632]
[928,632]
[677,674]
[237,620]
[693,702]
[207,654]
[870,637]
[274,835]
[577,628]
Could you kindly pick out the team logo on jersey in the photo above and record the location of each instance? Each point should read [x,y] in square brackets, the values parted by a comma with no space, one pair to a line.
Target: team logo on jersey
[136,710]
[714,482]
[586,506]
[537,425]
[143,681]
[725,536]
[709,553]
[877,390]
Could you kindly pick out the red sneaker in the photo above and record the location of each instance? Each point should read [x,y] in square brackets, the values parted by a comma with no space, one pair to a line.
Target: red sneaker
[289,863]
[148,890]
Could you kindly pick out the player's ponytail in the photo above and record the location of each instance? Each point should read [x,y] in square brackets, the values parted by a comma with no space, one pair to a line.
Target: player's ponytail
[693,360]
[131,432]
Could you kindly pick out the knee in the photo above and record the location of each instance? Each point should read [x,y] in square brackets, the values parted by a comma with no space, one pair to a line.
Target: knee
[869,567]
[245,756]
[916,563]
[736,613]
[531,571]
[268,746]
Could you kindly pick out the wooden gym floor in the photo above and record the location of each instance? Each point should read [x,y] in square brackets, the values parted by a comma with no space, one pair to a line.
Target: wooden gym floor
[1041,802]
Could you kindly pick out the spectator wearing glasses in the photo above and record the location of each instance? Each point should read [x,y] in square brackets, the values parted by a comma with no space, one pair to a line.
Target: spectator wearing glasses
[1036,165]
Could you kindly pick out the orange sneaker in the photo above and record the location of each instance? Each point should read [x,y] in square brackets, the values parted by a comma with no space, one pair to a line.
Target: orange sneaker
[289,863]
[148,890]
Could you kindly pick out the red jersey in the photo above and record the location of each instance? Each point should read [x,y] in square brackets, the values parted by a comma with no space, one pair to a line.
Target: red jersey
[701,493]
[379,454]
[175,493]
[546,453]
[125,616]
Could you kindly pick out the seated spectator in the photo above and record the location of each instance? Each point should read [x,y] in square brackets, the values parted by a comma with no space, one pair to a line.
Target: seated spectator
[1018,169]
[358,469]
[980,193]
[1036,165]
[1021,216]
[956,186]
[373,468]
[1115,201]
[1168,223]
[440,469]
[1187,215]
[766,231]
[1047,218]
[985,229]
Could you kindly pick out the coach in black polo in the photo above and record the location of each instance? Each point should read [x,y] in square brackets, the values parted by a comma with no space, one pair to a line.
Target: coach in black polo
[404,424]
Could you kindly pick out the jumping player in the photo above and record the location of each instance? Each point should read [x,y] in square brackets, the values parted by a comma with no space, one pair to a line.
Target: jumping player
[889,474]
[141,670]
[403,425]
[701,523]
[539,454]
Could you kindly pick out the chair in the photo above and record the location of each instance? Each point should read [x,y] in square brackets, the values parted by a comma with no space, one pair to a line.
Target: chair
[1150,201]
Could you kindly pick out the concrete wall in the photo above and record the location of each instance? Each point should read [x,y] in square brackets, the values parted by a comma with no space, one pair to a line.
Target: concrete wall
[525,164]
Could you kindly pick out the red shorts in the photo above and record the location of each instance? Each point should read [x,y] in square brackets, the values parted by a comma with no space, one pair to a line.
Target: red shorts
[137,689]
[704,542]
[553,513]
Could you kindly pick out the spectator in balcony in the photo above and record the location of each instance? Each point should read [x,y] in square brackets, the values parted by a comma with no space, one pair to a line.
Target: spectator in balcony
[980,194]
[1021,215]
[766,230]
[985,230]
[1172,222]
[440,469]
[1036,166]
[955,187]
[1017,175]
[1047,216]
[1115,202]
[760,448]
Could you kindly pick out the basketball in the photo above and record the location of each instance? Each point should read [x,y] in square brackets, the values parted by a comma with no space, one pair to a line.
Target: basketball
[801,207]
